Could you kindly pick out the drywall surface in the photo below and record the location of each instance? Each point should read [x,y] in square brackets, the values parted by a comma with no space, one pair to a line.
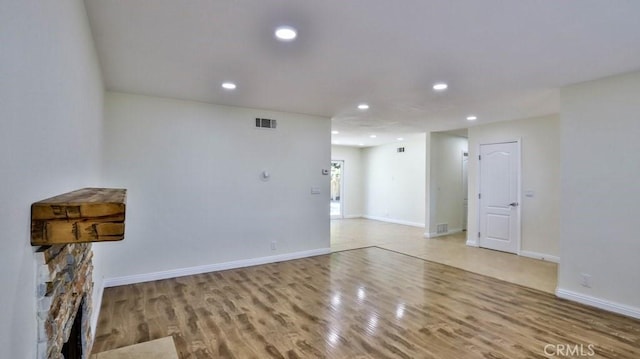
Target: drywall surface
[50,140]
[395,182]
[600,190]
[196,193]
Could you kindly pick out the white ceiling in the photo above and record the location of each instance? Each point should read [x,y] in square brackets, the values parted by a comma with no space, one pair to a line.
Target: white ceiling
[502,59]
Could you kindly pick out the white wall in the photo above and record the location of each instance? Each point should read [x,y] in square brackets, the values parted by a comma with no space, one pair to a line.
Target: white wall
[394,183]
[351,195]
[445,186]
[540,173]
[195,195]
[601,192]
[50,138]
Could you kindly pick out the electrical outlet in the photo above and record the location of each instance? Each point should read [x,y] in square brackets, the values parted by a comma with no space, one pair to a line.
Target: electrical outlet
[585,280]
[274,245]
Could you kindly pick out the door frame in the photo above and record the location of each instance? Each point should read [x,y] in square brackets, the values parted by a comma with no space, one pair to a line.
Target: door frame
[518,142]
[465,155]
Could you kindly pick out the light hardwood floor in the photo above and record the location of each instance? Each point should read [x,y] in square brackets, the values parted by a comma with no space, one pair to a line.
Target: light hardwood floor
[451,250]
[362,303]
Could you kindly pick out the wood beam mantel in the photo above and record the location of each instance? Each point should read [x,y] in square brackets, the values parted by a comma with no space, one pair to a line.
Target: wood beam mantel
[84,215]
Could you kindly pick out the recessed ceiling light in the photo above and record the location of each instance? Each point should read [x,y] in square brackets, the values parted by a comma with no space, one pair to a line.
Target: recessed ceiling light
[440,86]
[335,132]
[360,144]
[400,139]
[229,86]
[336,142]
[471,118]
[286,33]
[363,106]
[373,136]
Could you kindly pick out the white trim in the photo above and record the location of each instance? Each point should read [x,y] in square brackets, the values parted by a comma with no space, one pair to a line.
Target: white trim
[396,221]
[599,303]
[352,216]
[541,256]
[465,189]
[519,195]
[473,243]
[97,303]
[180,272]
[435,234]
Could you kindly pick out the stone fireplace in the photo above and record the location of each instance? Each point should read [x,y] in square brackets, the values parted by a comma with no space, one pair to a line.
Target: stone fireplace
[64,293]
[63,227]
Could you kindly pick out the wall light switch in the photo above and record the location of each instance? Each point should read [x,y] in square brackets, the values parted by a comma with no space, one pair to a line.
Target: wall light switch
[315,190]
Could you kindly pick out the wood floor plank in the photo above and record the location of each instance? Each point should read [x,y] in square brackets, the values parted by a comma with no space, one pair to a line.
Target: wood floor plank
[364,303]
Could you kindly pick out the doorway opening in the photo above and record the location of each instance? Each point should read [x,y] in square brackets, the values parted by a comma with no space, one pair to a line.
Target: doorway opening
[337,202]
[448,158]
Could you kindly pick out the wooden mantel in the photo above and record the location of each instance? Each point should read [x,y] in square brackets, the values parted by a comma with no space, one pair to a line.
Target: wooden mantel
[85,215]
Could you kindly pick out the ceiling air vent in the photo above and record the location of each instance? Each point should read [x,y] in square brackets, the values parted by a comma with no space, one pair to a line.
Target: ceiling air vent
[400,149]
[265,123]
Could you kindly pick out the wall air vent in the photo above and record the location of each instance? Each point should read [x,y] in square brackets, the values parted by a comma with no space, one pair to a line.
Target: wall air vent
[442,228]
[400,149]
[266,123]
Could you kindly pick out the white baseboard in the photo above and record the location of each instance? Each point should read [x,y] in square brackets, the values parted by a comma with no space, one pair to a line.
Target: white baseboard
[352,216]
[434,234]
[542,256]
[97,303]
[528,254]
[180,272]
[599,303]
[396,221]
[473,242]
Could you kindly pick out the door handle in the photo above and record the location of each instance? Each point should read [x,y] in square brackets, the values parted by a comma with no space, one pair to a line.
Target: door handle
[514,204]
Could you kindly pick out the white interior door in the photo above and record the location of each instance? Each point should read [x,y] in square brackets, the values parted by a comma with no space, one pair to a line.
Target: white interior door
[499,196]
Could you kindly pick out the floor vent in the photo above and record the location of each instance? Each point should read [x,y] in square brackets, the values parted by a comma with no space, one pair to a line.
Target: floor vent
[442,228]
[266,123]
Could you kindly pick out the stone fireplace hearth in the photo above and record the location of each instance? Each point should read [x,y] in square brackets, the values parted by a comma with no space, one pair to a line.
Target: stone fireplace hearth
[64,290]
